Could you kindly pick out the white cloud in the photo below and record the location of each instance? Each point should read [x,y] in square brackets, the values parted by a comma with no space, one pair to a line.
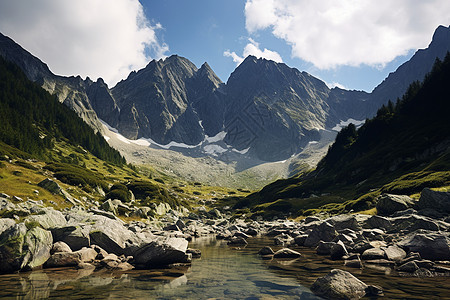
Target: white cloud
[252,48]
[95,38]
[336,84]
[236,58]
[331,33]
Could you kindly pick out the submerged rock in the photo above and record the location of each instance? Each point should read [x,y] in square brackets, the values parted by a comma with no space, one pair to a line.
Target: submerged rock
[339,284]
[286,253]
[266,250]
[162,252]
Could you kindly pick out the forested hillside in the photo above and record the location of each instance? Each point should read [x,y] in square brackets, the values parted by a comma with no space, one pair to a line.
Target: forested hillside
[32,119]
[403,149]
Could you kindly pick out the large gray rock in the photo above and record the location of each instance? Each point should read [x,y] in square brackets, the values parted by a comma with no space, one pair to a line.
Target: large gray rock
[6,223]
[338,250]
[54,188]
[432,246]
[378,222]
[162,252]
[388,204]
[37,245]
[324,232]
[24,249]
[341,222]
[109,234]
[67,259]
[413,222]
[394,253]
[439,201]
[373,253]
[76,237]
[324,248]
[60,247]
[47,217]
[339,284]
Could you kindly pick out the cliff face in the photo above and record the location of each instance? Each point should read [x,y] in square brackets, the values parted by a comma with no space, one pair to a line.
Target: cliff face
[266,109]
[69,90]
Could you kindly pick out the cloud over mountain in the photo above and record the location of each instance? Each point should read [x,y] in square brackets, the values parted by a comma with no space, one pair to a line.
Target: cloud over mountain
[252,48]
[96,38]
[331,33]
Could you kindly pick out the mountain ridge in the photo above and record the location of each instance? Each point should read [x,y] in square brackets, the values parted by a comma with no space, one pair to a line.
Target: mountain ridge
[266,109]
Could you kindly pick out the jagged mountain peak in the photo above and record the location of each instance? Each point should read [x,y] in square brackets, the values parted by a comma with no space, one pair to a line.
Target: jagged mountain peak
[441,34]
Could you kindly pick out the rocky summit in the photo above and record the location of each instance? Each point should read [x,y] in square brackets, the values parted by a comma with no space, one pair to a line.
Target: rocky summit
[265,110]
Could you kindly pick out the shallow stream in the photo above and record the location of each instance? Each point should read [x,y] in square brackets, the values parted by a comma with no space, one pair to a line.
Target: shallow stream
[223,272]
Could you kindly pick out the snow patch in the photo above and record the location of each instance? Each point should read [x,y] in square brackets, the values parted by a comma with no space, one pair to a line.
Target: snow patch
[313,142]
[241,151]
[214,149]
[341,125]
[107,138]
[110,128]
[218,137]
[141,142]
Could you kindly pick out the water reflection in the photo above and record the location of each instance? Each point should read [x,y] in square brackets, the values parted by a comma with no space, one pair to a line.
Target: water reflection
[223,272]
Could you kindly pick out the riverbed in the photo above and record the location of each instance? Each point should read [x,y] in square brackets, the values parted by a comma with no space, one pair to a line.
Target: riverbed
[223,272]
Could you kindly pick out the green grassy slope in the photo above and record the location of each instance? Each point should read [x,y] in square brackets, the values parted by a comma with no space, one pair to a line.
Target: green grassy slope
[405,148]
[32,120]
[41,138]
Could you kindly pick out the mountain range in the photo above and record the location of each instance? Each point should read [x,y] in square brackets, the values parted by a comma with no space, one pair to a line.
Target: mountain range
[402,150]
[265,110]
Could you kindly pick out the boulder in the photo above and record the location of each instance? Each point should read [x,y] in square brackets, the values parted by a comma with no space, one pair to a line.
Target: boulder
[37,245]
[237,240]
[439,201]
[432,246]
[341,222]
[63,259]
[163,251]
[67,259]
[76,237]
[196,253]
[300,239]
[6,223]
[22,249]
[113,236]
[47,217]
[286,253]
[180,224]
[409,267]
[353,263]
[324,232]
[388,204]
[394,253]
[339,284]
[54,188]
[373,253]
[378,222]
[266,250]
[338,250]
[324,248]
[109,206]
[60,247]
[413,222]
[11,243]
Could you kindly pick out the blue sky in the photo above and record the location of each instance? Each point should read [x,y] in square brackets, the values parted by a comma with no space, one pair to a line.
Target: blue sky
[202,30]
[353,44]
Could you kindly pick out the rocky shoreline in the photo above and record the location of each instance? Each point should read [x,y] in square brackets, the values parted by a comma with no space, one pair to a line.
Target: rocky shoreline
[410,237]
